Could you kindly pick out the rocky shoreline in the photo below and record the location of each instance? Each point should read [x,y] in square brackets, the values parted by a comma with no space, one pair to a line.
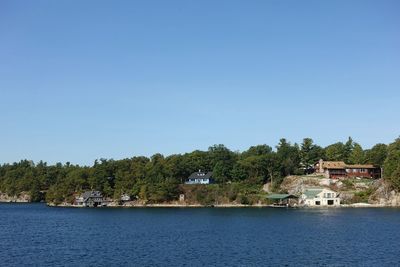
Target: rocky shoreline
[21,198]
[163,205]
[175,205]
[378,194]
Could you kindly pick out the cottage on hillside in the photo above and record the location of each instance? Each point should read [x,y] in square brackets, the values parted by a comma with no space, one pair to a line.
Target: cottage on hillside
[200,177]
[90,199]
[339,169]
[314,197]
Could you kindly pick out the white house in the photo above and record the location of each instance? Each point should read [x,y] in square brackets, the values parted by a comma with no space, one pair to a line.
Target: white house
[125,197]
[315,197]
[200,178]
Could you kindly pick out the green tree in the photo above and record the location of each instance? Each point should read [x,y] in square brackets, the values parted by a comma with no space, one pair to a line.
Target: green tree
[252,169]
[222,160]
[197,160]
[289,157]
[156,171]
[257,151]
[34,191]
[309,154]
[376,155]
[357,155]
[348,149]
[391,169]
[335,152]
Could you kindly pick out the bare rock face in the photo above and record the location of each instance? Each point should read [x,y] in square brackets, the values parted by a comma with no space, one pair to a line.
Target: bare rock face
[292,184]
[23,197]
[384,194]
[267,187]
[346,197]
[296,184]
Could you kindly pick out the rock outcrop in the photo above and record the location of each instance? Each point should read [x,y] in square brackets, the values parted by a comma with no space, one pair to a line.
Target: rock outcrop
[22,197]
[384,194]
[376,192]
[296,184]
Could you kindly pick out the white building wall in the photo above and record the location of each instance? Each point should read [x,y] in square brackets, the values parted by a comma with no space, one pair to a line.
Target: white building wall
[322,198]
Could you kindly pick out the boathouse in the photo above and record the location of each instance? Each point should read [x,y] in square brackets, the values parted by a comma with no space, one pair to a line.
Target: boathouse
[283,199]
[90,199]
[314,197]
[125,197]
[200,177]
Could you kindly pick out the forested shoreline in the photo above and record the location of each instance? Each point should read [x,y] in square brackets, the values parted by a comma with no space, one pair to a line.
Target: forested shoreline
[156,179]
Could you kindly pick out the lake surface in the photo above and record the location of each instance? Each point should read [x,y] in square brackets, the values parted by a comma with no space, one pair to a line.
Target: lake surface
[36,235]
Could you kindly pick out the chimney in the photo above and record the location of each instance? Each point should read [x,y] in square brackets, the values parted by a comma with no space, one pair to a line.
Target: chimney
[321,169]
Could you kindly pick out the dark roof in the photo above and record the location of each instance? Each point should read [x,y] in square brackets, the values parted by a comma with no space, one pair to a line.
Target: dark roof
[201,175]
[88,194]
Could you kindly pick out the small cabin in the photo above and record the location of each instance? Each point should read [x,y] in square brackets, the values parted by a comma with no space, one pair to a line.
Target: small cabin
[125,197]
[200,177]
[90,199]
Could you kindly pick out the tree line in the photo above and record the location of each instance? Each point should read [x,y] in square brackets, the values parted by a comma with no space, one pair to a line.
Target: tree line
[157,178]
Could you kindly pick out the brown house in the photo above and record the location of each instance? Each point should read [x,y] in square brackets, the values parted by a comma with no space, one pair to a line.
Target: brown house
[339,169]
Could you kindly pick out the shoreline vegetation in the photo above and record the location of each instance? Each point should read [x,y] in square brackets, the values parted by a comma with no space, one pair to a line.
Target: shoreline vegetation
[242,179]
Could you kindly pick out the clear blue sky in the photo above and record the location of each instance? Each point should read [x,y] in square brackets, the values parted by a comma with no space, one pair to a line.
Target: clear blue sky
[81,80]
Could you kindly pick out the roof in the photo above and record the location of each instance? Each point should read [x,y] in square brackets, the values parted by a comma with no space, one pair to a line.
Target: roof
[201,175]
[88,194]
[342,165]
[280,196]
[333,165]
[361,166]
[312,192]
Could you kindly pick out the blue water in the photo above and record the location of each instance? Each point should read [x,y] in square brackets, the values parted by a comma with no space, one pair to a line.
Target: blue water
[36,235]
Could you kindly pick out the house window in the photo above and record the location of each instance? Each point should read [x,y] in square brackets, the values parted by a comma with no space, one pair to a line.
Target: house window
[317,203]
[330,202]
